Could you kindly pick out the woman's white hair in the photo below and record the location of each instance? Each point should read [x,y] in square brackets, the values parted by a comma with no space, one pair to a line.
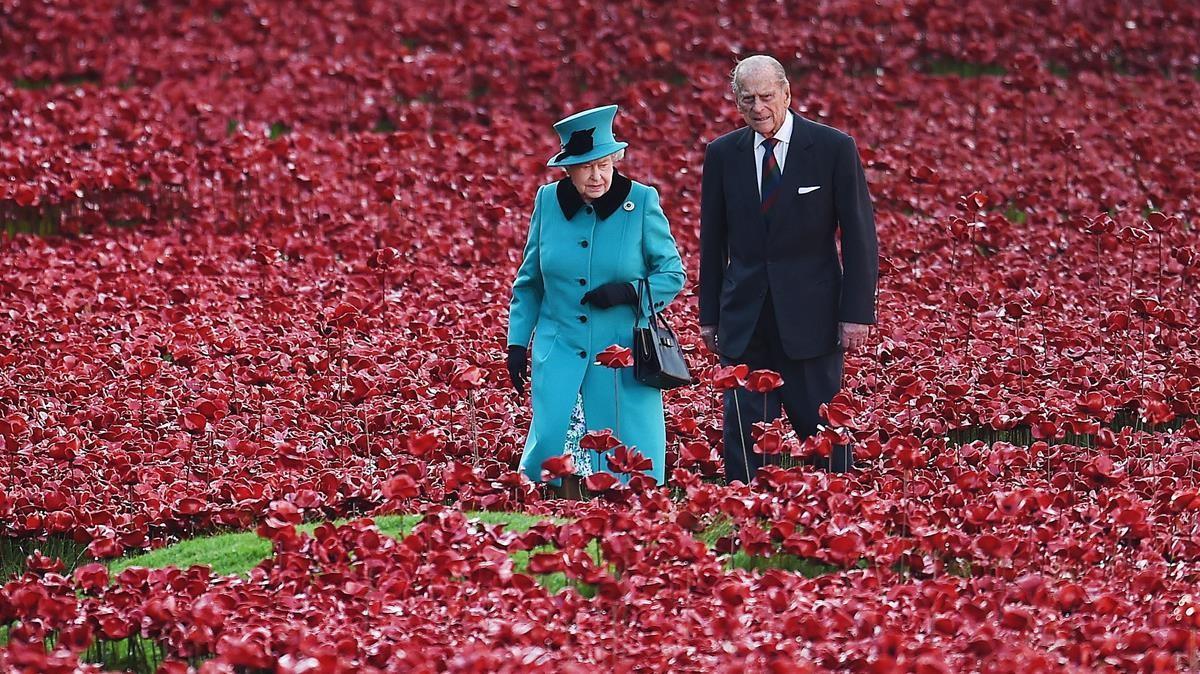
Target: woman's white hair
[756,63]
[616,157]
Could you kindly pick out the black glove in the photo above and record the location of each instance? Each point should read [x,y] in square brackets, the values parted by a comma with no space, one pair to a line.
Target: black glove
[610,295]
[518,362]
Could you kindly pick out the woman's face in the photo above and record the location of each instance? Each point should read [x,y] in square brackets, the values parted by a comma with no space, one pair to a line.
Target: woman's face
[592,179]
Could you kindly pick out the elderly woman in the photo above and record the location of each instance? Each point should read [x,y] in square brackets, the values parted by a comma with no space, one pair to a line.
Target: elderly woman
[594,237]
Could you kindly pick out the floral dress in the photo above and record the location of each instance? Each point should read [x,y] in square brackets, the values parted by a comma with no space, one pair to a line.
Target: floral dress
[582,458]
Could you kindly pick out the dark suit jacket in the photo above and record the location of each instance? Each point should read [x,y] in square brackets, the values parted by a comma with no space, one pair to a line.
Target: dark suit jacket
[791,251]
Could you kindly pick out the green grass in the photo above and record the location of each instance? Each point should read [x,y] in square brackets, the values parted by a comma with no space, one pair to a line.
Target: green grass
[809,568]
[13,552]
[941,67]
[1022,435]
[1059,70]
[722,526]
[39,221]
[225,553]
[239,552]
[278,129]
[67,80]
[556,582]
[384,125]
[1016,215]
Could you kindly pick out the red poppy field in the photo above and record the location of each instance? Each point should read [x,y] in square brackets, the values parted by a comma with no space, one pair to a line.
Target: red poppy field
[255,272]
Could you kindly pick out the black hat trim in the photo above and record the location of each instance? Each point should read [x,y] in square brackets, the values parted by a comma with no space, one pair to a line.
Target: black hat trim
[579,143]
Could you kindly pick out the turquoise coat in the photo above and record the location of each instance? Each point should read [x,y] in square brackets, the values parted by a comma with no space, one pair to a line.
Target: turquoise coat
[572,248]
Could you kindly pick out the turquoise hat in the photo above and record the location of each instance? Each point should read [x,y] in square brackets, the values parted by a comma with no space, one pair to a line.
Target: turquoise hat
[586,136]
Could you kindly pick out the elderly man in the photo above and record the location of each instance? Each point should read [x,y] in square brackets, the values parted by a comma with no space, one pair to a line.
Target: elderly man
[777,195]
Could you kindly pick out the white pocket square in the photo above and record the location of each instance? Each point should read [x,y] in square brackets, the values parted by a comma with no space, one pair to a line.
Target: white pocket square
[806,190]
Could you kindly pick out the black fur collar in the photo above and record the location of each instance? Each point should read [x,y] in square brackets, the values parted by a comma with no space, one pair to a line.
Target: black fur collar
[570,202]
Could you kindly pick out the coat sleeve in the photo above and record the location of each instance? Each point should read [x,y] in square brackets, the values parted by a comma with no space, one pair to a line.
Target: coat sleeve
[664,267]
[528,287]
[860,247]
[713,247]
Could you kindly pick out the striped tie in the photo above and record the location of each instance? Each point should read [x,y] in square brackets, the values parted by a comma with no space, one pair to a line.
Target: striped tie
[771,177]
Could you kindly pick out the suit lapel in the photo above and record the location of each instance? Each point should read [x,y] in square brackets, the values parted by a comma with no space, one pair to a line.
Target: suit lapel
[798,164]
[747,182]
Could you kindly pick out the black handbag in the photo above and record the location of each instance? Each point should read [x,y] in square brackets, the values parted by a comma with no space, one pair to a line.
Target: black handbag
[658,358]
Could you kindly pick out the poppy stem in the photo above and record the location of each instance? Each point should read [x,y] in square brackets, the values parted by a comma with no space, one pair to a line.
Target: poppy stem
[970,345]
[1020,357]
[737,406]
[1161,266]
[261,406]
[1129,285]
[617,400]
[366,428]
[1195,662]
[1045,342]
[1099,292]
[904,506]
[765,415]
[975,117]
[474,428]
[1046,455]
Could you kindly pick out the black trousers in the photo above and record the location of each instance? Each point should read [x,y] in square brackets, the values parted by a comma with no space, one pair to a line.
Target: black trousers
[807,384]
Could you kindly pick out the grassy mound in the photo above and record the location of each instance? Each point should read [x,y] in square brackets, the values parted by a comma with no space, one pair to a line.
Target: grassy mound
[240,552]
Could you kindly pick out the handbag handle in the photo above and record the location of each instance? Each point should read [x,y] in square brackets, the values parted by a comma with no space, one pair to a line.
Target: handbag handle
[653,317]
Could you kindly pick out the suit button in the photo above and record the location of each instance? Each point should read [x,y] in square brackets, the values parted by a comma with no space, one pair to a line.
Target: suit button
[583,243]
[589,210]
[582,281]
[583,319]
[583,354]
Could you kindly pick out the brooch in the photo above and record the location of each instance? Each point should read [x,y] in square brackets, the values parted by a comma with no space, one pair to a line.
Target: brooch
[628,206]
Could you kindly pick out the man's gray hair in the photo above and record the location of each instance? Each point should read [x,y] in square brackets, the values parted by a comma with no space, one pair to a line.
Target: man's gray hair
[755,64]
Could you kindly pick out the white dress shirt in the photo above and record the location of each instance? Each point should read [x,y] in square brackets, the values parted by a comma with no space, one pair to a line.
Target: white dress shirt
[784,134]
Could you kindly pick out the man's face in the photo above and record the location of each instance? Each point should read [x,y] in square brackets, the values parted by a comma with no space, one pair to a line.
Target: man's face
[763,102]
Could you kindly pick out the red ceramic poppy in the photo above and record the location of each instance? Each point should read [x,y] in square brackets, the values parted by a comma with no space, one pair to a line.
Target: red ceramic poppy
[615,357]
[763,381]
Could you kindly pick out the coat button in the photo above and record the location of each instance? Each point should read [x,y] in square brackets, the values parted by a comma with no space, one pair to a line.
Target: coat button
[589,210]
[583,354]
[582,281]
[583,319]
[583,243]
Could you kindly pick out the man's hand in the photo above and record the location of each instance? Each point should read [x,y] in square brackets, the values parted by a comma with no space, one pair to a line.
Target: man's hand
[709,333]
[853,336]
